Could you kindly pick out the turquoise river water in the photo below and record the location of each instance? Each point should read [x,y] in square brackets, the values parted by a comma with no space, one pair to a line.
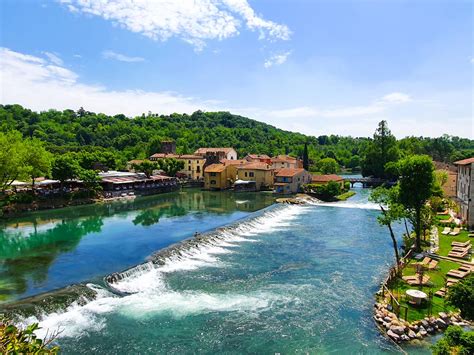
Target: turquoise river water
[275,279]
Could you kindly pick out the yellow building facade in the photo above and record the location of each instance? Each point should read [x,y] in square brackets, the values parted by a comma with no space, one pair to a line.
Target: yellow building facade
[219,176]
[261,173]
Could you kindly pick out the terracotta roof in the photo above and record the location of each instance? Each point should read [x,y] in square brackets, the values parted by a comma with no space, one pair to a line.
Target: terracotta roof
[254,166]
[213,150]
[464,161]
[190,156]
[164,155]
[326,178]
[289,172]
[234,162]
[284,159]
[258,156]
[215,168]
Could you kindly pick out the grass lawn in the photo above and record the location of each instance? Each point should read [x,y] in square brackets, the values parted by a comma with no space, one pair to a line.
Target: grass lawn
[443,217]
[345,195]
[446,240]
[399,288]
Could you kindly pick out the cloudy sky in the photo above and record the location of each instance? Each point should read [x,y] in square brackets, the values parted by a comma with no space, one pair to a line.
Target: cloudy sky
[313,66]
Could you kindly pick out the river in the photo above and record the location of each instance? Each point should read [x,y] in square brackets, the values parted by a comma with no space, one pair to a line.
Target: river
[276,278]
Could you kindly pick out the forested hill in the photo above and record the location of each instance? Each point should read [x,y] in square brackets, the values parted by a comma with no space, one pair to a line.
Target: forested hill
[140,137]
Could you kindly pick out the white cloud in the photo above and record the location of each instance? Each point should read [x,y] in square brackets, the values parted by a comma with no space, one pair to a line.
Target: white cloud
[396,97]
[121,57]
[38,84]
[193,21]
[276,59]
[54,58]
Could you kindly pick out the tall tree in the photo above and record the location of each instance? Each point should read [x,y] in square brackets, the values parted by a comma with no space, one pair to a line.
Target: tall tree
[65,167]
[305,157]
[171,166]
[12,159]
[147,167]
[38,159]
[328,166]
[416,182]
[392,212]
[382,150]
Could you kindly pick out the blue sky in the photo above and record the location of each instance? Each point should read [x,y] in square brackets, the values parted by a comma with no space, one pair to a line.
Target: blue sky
[317,67]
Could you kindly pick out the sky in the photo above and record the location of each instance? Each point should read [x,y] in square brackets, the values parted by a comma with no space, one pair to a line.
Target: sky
[312,66]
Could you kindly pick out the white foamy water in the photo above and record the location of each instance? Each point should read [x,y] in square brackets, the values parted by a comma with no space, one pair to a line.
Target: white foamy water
[347,204]
[148,293]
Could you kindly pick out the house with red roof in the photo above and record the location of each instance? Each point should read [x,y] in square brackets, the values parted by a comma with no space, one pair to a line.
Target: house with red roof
[290,180]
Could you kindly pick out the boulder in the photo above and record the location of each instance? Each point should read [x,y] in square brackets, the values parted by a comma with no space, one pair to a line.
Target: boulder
[411,334]
[425,323]
[414,327]
[392,335]
[387,319]
[431,330]
[405,337]
[441,323]
[443,315]
[398,329]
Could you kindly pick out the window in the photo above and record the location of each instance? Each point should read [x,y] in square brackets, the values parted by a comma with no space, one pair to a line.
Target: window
[189,161]
[245,174]
[198,169]
[213,174]
[189,167]
[251,174]
[213,182]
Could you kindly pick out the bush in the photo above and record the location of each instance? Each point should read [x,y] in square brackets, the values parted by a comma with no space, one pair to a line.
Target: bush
[455,341]
[14,340]
[461,295]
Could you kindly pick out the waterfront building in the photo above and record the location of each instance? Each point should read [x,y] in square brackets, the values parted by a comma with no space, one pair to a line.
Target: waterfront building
[449,188]
[219,153]
[263,158]
[219,176]
[121,183]
[193,164]
[290,180]
[260,173]
[465,190]
[285,161]
[324,179]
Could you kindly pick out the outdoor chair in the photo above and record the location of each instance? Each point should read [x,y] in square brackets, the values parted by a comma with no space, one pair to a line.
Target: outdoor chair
[433,264]
[441,292]
[460,244]
[458,255]
[461,249]
[458,273]
[446,221]
[455,231]
[446,230]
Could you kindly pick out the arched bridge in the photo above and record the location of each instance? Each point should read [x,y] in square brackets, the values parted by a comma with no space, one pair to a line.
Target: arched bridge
[366,181]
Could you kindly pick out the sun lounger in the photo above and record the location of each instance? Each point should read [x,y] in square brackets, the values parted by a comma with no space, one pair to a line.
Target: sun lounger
[461,249]
[460,244]
[426,260]
[459,255]
[450,282]
[443,213]
[416,280]
[433,264]
[458,273]
[455,231]
[446,230]
[441,292]
[466,268]
[447,221]
[410,277]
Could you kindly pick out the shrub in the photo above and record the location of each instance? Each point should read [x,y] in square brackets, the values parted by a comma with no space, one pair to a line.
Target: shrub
[455,341]
[461,295]
[14,340]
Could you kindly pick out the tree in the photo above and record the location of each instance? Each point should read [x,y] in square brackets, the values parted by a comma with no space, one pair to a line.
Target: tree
[91,180]
[38,159]
[12,159]
[416,183]
[382,150]
[455,341]
[461,295]
[305,157]
[147,167]
[14,340]
[65,167]
[392,212]
[171,166]
[328,166]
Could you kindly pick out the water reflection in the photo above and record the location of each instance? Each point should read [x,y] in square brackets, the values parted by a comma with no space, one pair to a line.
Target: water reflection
[29,246]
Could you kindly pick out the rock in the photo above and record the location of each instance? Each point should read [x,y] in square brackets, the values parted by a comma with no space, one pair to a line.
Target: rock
[414,327]
[441,323]
[405,337]
[398,330]
[423,332]
[419,335]
[387,319]
[411,334]
[443,315]
[425,323]
[430,330]
[392,335]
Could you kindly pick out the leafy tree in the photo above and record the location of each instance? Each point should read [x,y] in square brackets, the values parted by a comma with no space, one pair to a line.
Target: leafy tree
[415,188]
[65,167]
[328,166]
[382,150]
[12,159]
[326,192]
[461,295]
[455,341]
[171,166]
[392,212]
[37,158]
[91,180]
[14,340]
[147,167]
